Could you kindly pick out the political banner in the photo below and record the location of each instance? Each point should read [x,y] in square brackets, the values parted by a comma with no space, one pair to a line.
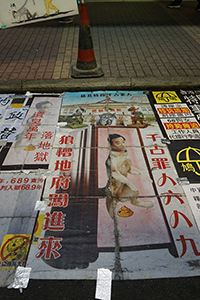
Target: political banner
[113,189]
[178,113]
[91,180]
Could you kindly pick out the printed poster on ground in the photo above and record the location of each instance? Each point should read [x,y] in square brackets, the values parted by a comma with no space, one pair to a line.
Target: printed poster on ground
[107,184]
[21,12]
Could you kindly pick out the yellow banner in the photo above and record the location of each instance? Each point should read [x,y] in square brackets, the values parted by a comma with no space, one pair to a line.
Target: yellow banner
[166,97]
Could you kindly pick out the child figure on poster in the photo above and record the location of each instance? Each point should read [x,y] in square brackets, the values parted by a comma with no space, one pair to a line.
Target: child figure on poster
[118,165]
[49,5]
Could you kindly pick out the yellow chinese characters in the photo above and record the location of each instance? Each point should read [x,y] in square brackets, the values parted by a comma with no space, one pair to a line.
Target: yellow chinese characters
[189,159]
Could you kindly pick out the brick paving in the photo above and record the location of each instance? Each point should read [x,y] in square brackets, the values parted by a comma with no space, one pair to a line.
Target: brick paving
[135,40]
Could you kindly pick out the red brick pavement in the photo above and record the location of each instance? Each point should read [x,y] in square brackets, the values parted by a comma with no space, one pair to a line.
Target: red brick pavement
[139,39]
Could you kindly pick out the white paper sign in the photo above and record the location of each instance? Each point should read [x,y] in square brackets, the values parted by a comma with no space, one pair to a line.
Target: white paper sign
[192,192]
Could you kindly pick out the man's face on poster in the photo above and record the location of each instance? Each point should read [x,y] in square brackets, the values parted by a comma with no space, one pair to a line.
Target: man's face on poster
[118,145]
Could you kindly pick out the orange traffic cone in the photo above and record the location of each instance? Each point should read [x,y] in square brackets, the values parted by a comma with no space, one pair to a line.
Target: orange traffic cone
[86,65]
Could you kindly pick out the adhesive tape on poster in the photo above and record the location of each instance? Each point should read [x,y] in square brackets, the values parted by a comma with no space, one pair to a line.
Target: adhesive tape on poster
[26,107]
[58,129]
[41,205]
[26,171]
[103,287]
[21,278]
[165,141]
[182,181]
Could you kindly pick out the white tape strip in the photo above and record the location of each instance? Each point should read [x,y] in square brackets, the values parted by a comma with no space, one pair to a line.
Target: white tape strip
[21,278]
[58,129]
[26,171]
[165,141]
[182,181]
[103,287]
[26,107]
[41,205]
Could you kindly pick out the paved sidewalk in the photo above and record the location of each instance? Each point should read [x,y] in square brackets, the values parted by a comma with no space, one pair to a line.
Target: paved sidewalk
[134,42]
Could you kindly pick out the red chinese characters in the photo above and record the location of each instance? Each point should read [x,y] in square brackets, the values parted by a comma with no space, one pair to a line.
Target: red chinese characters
[33,132]
[183,125]
[33,126]
[170,198]
[66,140]
[44,145]
[163,179]
[64,152]
[55,221]
[48,246]
[63,165]
[21,184]
[58,200]
[174,219]
[169,195]
[60,182]
[47,135]
[41,156]
[183,240]
[158,157]
[173,110]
